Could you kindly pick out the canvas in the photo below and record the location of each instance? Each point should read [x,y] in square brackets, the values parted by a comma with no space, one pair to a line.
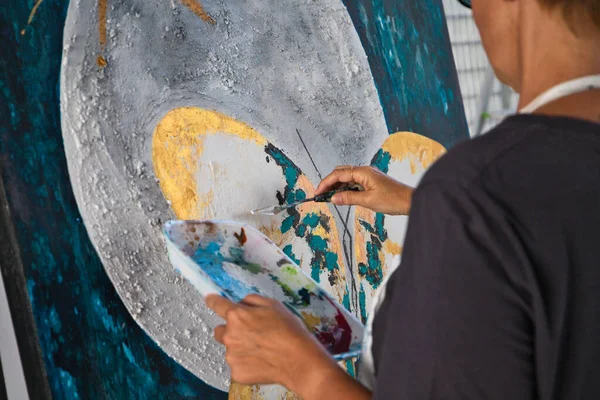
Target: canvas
[207,109]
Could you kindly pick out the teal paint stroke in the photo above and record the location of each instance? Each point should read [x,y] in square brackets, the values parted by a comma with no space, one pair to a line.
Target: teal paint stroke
[376,234]
[350,368]
[362,301]
[211,261]
[408,49]
[91,347]
[323,259]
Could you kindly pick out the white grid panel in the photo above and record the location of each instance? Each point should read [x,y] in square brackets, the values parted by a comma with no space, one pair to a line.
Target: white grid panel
[472,65]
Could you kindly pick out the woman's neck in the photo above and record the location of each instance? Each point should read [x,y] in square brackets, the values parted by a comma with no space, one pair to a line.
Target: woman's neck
[551,54]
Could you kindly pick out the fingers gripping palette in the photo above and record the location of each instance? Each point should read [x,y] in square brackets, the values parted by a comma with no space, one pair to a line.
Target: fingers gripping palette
[235,260]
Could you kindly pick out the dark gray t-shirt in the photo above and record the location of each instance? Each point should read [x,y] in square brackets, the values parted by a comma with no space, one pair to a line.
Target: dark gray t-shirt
[498,293]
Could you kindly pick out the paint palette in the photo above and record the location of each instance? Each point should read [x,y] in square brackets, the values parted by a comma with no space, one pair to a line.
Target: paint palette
[235,260]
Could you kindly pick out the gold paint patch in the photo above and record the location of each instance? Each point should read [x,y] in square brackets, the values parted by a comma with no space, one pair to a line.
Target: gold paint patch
[32,14]
[391,247]
[368,216]
[241,392]
[199,11]
[102,7]
[177,145]
[273,232]
[101,61]
[414,147]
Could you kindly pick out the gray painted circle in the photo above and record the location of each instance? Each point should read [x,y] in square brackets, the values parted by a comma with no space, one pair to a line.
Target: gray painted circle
[274,64]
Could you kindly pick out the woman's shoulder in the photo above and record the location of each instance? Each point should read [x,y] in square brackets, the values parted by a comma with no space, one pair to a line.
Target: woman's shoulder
[519,146]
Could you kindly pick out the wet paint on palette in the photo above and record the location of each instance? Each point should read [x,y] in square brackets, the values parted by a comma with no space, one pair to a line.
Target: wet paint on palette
[337,339]
[210,260]
[334,332]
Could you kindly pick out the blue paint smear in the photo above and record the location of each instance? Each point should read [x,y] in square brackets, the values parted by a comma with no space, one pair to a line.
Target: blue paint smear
[372,270]
[411,60]
[290,253]
[317,243]
[362,301]
[350,368]
[210,260]
[311,220]
[287,223]
[91,347]
[381,161]
[346,301]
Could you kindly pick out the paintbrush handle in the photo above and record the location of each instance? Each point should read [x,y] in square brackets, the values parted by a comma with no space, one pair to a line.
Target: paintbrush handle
[326,197]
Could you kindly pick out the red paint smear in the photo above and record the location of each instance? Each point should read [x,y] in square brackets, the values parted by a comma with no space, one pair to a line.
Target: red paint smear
[338,339]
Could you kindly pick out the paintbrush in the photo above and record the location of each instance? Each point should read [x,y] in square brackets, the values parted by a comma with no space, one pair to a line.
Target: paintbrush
[320,198]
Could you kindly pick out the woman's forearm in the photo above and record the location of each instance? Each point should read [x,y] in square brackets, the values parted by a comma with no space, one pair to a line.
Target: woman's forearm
[331,382]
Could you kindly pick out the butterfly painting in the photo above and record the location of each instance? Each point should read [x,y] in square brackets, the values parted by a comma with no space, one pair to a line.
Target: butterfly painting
[207,110]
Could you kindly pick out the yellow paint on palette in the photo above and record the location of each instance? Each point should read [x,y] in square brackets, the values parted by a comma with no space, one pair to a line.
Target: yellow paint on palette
[177,145]
[310,320]
[414,147]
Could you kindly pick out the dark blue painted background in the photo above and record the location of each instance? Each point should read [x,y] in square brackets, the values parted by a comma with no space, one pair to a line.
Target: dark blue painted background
[91,347]
[411,59]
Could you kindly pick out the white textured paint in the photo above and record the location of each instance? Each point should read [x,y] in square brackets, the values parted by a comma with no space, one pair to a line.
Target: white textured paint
[234,173]
[277,65]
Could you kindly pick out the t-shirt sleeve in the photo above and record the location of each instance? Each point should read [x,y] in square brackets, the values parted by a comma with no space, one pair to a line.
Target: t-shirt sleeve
[455,322]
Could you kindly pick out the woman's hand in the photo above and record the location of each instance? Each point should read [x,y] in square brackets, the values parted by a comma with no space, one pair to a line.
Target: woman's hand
[381,193]
[265,343]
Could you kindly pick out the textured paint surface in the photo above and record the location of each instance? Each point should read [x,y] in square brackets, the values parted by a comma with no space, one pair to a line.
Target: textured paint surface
[91,346]
[178,148]
[197,8]
[254,65]
[177,145]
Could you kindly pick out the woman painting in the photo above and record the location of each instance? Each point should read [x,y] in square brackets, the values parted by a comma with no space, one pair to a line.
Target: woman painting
[498,293]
